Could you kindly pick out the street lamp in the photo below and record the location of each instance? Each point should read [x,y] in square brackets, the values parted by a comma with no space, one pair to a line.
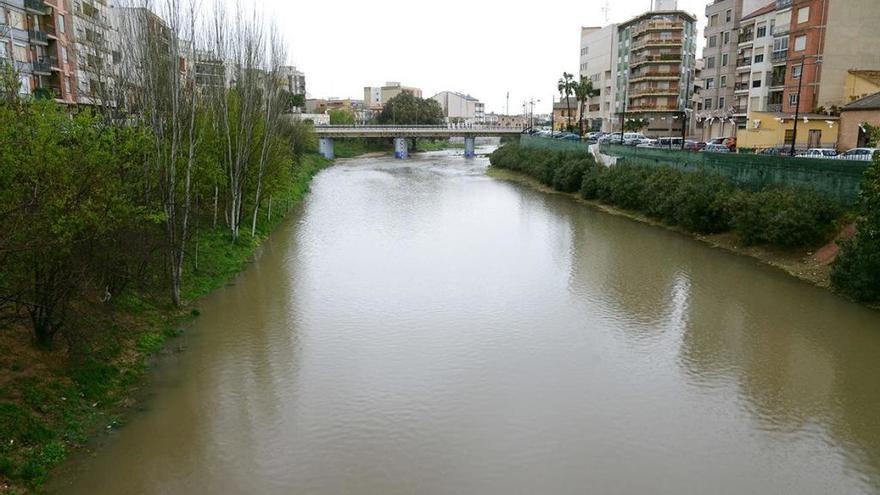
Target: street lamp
[797,107]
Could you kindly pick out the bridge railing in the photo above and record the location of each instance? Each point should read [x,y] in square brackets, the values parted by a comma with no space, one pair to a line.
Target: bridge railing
[476,127]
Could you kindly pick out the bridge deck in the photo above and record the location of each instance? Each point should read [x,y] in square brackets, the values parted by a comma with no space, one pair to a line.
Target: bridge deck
[339,131]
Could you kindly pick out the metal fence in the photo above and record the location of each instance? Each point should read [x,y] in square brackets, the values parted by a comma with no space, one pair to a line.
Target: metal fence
[548,143]
[839,179]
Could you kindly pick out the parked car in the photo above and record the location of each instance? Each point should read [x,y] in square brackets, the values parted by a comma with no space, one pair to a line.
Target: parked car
[610,138]
[858,154]
[632,138]
[671,143]
[648,143]
[693,145]
[594,136]
[819,153]
[716,148]
[729,142]
[567,136]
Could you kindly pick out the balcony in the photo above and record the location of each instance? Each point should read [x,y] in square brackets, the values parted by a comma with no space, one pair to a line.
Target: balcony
[652,108]
[746,37]
[52,61]
[651,42]
[655,59]
[36,7]
[38,37]
[744,62]
[774,107]
[741,86]
[42,67]
[647,76]
[779,56]
[775,80]
[644,27]
[739,109]
[50,31]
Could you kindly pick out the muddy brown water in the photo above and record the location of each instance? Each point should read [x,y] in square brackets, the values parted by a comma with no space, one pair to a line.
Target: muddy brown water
[419,328]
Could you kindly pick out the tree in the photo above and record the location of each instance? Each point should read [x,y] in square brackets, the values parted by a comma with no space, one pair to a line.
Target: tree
[583,91]
[341,117]
[406,109]
[566,85]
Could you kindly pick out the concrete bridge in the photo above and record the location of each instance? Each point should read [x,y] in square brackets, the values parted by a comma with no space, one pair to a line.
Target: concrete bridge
[400,133]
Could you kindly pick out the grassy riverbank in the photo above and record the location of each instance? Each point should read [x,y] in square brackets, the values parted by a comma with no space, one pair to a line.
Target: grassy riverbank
[792,229]
[54,401]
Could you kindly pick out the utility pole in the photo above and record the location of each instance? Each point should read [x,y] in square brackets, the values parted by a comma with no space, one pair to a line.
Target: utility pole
[797,107]
[507,105]
[684,117]
[623,113]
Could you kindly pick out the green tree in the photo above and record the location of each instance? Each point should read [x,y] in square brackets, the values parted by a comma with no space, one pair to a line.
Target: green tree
[583,91]
[635,125]
[341,117]
[406,109]
[566,86]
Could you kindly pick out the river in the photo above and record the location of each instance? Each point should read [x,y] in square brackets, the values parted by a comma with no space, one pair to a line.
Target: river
[417,327]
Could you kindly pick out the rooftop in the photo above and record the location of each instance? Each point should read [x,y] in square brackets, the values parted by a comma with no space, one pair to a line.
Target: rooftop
[763,10]
[872,76]
[871,102]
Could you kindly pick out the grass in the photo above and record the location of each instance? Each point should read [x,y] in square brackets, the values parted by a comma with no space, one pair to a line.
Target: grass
[52,403]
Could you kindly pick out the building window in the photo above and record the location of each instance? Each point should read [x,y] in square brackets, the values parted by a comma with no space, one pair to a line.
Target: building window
[64,54]
[756,83]
[20,53]
[2,15]
[710,63]
[724,59]
[728,16]
[780,45]
[710,83]
[796,71]
[713,41]
[67,86]
[759,58]
[16,19]
[723,81]
[793,99]
[789,136]
[61,24]
[25,87]
[713,21]
[727,38]
[803,15]
[721,103]
[762,31]
[707,104]
[800,43]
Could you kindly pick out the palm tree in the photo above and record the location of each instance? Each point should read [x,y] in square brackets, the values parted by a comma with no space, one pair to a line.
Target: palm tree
[565,86]
[583,91]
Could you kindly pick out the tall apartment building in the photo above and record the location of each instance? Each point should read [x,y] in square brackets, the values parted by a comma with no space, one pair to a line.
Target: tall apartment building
[35,38]
[294,80]
[598,64]
[754,62]
[719,71]
[91,28]
[460,108]
[655,69]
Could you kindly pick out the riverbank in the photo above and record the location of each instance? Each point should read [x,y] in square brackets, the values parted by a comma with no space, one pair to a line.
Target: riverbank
[56,401]
[359,148]
[813,266]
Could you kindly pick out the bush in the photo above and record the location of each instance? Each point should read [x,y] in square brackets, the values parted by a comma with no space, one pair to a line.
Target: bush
[856,270]
[784,217]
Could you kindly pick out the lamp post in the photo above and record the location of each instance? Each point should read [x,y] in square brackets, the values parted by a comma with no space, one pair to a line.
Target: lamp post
[623,113]
[797,107]
[684,118]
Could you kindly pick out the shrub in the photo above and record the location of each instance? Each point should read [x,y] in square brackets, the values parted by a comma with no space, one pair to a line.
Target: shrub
[856,270]
[784,217]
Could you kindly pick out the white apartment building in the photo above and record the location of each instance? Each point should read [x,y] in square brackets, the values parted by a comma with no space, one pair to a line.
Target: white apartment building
[598,56]
[754,67]
[460,108]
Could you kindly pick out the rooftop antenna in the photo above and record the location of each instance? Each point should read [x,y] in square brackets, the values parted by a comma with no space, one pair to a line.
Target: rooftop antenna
[605,9]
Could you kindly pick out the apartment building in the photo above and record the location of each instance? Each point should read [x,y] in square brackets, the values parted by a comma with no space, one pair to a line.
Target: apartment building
[719,71]
[91,30]
[35,39]
[375,97]
[294,81]
[655,69]
[598,64]
[459,107]
[754,66]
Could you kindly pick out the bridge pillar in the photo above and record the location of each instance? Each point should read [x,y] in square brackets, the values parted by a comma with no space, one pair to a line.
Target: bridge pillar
[469,142]
[325,147]
[400,149]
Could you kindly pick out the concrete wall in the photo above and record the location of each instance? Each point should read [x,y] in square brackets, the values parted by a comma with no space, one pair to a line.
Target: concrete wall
[852,42]
[840,179]
[772,132]
[598,57]
[553,144]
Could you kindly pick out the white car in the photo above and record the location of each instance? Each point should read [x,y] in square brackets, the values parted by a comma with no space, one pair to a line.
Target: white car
[858,154]
[647,143]
[633,138]
[819,153]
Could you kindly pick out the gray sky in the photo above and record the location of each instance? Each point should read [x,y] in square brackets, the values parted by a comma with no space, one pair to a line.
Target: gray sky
[482,47]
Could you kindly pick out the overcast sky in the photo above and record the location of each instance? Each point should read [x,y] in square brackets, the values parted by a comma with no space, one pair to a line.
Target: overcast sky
[482,47]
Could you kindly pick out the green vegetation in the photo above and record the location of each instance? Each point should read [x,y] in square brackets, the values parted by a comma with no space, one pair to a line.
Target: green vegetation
[698,202]
[856,271]
[351,148]
[341,117]
[406,109]
[84,249]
